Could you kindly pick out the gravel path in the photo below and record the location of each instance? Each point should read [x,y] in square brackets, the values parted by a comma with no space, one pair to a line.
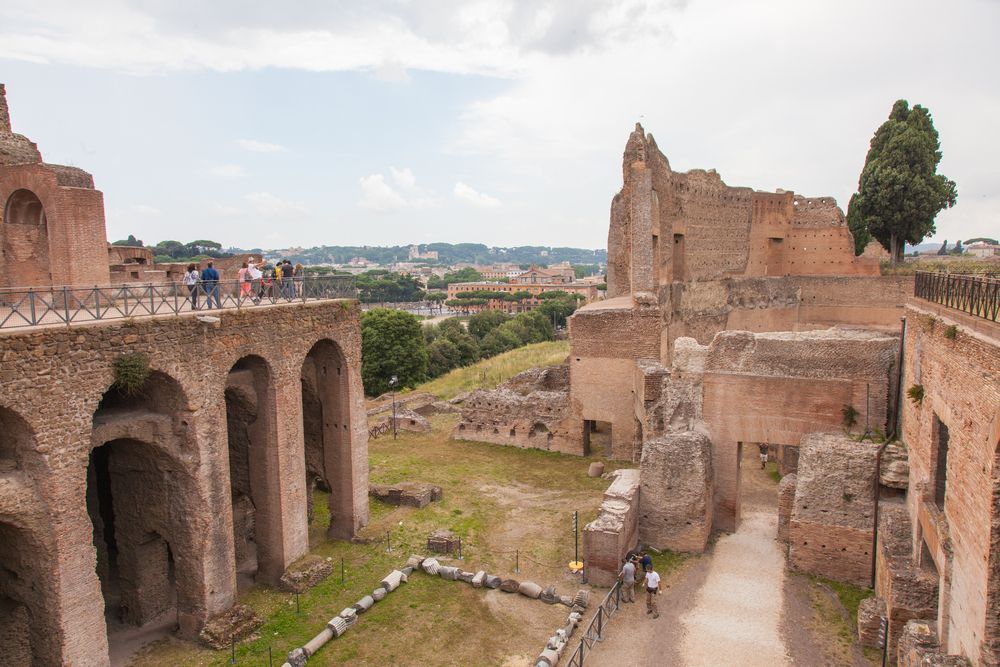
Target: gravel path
[725,608]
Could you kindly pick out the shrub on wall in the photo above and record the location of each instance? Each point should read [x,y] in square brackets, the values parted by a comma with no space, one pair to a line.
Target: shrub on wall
[131,372]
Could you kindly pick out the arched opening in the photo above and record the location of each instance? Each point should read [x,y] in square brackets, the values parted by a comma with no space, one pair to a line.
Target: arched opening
[25,241]
[141,500]
[253,470]
[327,431]
[21,607]
[15,441]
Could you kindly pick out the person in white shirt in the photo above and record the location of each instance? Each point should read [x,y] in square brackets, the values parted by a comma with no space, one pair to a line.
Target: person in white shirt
[652,590]
[191,277]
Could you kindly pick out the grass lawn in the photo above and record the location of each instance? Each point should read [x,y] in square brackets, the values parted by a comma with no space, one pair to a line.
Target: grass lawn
[510,506]
[491,372]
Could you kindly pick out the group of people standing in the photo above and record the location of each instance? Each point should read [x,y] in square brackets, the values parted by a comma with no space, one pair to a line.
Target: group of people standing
[630,568]
[283,281]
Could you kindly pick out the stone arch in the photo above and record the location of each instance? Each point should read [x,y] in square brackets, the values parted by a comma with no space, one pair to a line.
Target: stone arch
[326,426]
[24,241]
[29,629]
[147,511]
[254,471]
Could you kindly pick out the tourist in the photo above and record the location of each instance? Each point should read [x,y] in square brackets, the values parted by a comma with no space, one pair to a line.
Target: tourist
[652,590]
[627,576]
[191,280]
[246,280]
[298,275]
[763,456]
[287,273]
[256,282]
[646,560]
[210,279]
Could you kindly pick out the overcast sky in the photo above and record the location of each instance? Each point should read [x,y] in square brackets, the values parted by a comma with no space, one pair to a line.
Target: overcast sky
[501,122]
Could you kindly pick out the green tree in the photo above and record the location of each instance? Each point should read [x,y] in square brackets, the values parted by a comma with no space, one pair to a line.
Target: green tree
[443,355]
[899,191]
[499,340]
[130,241]
[482,323]
[557,310]
[982,239]
[392,343]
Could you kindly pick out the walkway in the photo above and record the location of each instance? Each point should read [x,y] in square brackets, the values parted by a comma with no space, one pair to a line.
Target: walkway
[726,608]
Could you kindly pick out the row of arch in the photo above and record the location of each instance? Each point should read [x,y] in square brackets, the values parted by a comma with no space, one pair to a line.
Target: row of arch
[150,497]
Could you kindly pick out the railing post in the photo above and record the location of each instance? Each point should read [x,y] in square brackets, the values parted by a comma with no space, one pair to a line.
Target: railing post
[31,305]
[66,303]
[152,303]
[97,301]
[177,305]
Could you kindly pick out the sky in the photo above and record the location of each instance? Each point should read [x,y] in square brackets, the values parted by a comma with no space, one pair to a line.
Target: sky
[385,122]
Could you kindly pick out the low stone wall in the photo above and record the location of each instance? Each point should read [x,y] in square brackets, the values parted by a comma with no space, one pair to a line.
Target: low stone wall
[786,501]
[830,530]
[919,647]
[676,491]
[908,591]
[615,531]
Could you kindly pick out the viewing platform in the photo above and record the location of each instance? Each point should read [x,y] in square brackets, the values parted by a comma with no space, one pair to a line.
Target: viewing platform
[70,305]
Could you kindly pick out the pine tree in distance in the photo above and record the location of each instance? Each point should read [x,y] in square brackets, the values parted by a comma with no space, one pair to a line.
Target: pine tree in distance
[900,192]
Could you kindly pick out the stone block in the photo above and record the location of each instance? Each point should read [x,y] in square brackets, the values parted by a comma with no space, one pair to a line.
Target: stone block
[675,498]
[530,589]
[317,642]
[414,561]
[406,494]
[510,585]
[442,542]
[547,658]
[408,420]
[338,625]
[492,581]
[549,595]
[305,574]
[298,657]
[871,613]
[566,600]
[479,579]
[392,580]
[364,604]
[430,566]
[467,577]
[448,573]
[379,594]
[895,469]
[596,469]
[582,598]
[236,623]
[919,647]
[350,615]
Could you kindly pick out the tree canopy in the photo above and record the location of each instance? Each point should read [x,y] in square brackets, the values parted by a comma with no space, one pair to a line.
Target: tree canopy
[392,343]
[899,191]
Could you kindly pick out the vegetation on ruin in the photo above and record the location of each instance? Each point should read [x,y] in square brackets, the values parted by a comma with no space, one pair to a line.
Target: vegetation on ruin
[899,191]
[951,332]
[849,415]
[131,372]
[916,393]
[840,616]
[490,372]
[500,500]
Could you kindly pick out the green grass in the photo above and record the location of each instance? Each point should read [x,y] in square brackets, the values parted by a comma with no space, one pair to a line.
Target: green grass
[491,372]
[498,499]
[849,595]
[772,471]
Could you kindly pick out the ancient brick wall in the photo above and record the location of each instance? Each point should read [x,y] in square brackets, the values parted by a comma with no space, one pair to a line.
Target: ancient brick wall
[959,372]
[830,530]
[778,387]
[676,491]
[615,531]
[56,380]
[786,502]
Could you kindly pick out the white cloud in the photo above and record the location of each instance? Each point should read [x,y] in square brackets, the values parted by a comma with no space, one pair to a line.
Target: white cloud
[255,146]
[376,195]
[266,205]
[224,211]
[379,196]
[468,194]
[227,171]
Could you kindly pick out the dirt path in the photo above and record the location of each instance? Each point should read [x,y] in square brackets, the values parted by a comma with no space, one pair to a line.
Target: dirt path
[724,609]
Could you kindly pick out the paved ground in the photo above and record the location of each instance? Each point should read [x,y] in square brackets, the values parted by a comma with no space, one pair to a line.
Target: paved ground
[734,606]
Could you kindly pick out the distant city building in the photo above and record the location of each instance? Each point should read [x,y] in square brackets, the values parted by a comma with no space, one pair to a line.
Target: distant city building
[416,254]
[982,250]
[537,276]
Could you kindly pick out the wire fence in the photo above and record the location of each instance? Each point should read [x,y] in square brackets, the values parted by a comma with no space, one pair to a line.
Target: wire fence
[67,305]
[974,294]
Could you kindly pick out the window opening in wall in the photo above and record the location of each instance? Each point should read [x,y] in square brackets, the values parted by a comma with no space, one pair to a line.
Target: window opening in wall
[941,464]
[596,437]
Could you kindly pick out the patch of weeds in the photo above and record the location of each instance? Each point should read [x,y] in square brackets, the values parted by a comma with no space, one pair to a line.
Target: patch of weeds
[849,416]
[916,393]
[951,333]
[131,372]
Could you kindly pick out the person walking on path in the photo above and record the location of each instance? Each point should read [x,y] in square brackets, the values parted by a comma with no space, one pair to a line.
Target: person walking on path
[191,280]
[646,561]
[256,281]
[628,581]
[763,456]
[652,590]
[245,281]
[298,275]
[210,279]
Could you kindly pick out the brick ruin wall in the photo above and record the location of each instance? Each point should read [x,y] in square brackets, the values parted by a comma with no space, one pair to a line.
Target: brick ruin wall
[615,531]
[531,410]
[960,376]
[170,480]
[778,387]
[831,525]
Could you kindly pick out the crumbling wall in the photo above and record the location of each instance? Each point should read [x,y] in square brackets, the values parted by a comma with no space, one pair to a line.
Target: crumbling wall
[831,526]
[615,531]
[786,504]
[676,491]
[530,410]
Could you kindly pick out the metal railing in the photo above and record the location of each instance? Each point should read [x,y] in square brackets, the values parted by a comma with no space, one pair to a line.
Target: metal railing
[595,631]
[974,294]
[66,305]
